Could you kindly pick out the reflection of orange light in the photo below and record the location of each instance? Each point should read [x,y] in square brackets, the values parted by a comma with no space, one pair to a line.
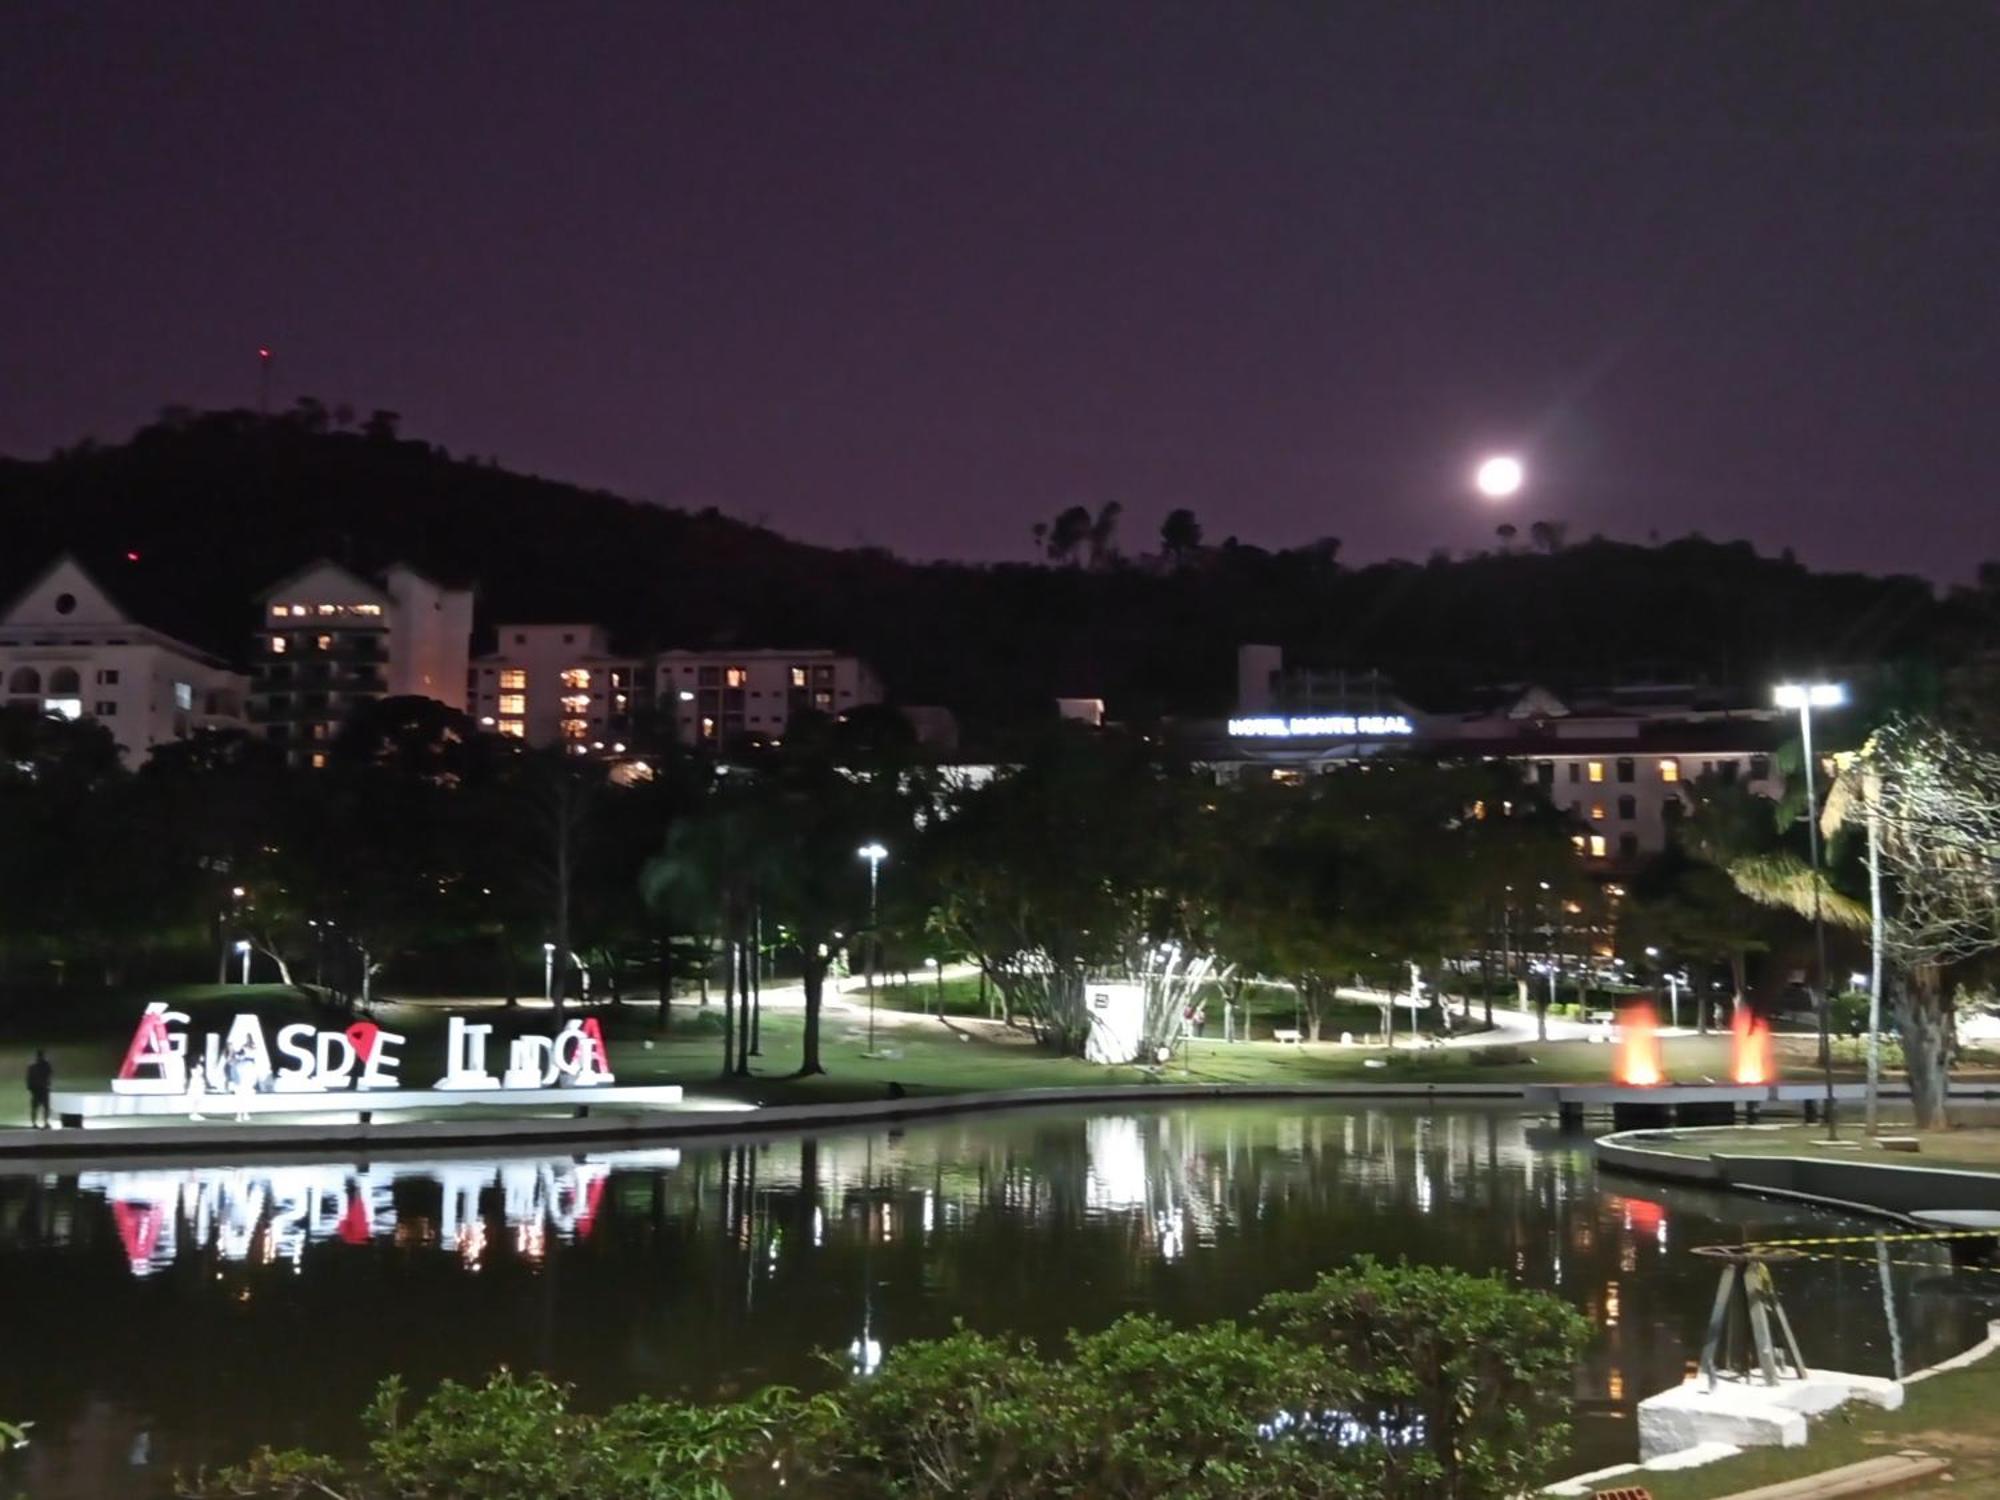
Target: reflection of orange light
[1638,1046]
[1752,1047]
[1643,1215]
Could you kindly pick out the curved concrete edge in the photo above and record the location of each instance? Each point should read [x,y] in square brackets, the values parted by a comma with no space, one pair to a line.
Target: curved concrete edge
[221,1139]
[1890,1190]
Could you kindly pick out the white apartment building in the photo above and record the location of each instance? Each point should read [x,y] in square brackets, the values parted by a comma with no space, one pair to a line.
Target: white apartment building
[68,648]
[331,639]
[559,684]
[717,697]
[1622,762]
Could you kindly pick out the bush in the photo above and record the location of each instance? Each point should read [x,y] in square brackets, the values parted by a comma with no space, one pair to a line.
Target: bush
[1464,1379]
[1377,1383]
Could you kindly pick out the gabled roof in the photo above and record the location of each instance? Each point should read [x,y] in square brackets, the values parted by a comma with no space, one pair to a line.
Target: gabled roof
[141,601]
[291,582]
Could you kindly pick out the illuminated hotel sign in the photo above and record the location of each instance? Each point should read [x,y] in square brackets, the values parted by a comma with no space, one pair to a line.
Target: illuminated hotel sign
[362,1056]
[1320,726]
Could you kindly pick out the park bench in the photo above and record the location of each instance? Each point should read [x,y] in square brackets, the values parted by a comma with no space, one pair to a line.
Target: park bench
[1286,1036]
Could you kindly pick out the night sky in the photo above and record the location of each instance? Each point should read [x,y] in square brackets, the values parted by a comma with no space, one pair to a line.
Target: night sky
[921,274]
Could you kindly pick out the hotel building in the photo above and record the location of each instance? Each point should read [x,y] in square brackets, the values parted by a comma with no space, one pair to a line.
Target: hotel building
[560,684]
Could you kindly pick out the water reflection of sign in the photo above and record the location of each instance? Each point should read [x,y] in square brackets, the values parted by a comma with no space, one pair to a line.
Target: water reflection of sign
[1319,726]
[362,1056]
[268,1214]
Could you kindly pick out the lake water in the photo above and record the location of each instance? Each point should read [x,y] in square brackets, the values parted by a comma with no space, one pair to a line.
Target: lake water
[164,1315]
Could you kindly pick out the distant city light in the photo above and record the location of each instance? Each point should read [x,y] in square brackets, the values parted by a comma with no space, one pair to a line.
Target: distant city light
[1500,476]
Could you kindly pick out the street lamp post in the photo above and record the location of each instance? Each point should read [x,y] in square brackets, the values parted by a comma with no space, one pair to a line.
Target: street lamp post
[243,949]
[549,972]
[1805,697]
[874,853]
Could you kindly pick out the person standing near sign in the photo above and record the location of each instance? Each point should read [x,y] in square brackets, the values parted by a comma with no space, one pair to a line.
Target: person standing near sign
[40,1077]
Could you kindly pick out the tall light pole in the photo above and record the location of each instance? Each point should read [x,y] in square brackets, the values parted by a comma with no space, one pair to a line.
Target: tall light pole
[243,948]
[549,972]
[874,853]
[1805,697]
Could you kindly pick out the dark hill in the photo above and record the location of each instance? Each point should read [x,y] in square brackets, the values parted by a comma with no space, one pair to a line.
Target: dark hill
[218,505]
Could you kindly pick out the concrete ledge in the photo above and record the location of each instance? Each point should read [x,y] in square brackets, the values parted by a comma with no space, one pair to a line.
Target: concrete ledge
[1885,1189]
[663,1125]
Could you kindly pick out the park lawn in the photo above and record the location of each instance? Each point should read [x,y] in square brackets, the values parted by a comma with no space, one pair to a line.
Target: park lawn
[1954,1416]
[922,1056]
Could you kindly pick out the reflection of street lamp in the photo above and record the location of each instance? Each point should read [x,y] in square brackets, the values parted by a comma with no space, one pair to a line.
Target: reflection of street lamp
[874,853]
[243,948]
[549,972]
[1805,697]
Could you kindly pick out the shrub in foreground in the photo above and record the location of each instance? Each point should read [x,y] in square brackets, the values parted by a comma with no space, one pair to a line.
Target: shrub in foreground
[1376,1383]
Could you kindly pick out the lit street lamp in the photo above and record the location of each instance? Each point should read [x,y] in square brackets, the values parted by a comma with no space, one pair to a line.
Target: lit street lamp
[243,948]
[874,853]
[549,972]
[1805,697]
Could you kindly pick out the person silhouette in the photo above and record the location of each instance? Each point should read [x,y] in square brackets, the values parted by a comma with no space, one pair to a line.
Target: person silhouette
[40,1075]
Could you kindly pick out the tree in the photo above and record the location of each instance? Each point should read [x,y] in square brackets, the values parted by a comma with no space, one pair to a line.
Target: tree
[1506,531]
[1070,530]
[1931,800]
[1180,536]
[1059,866]
[1104,534]
[1548,535]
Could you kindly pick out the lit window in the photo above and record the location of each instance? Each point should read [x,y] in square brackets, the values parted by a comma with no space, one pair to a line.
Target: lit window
[319,731]
[1577,839]
[329,609]
[279,645]
[322,643]
[1597,770]
[575,729]
[514,729]
[1670,770]
[1479,810]
[318,761]
[1597,846]
[708,728]
[298,611]
[513,679]
[278,610]
[735,676]
[184,696]
[513,703]
[576,677]
[576,703]
[63,708]
[1597,812]
[798,676]
[368,609]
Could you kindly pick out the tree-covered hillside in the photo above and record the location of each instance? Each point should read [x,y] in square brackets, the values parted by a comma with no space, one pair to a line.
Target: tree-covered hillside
[217,505]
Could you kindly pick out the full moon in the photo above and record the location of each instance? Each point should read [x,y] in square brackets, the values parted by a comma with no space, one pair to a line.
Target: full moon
[1499,477]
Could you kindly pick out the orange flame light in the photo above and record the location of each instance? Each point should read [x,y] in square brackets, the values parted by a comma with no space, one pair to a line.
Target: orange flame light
[1638,1046]
[1751,1051]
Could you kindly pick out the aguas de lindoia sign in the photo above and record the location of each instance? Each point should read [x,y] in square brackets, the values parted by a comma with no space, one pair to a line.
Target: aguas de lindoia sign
[302,1059]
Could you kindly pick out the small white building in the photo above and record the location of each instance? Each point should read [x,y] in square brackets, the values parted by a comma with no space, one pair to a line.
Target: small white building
[559,684]
[331,639]
[717,697]
[68,648]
